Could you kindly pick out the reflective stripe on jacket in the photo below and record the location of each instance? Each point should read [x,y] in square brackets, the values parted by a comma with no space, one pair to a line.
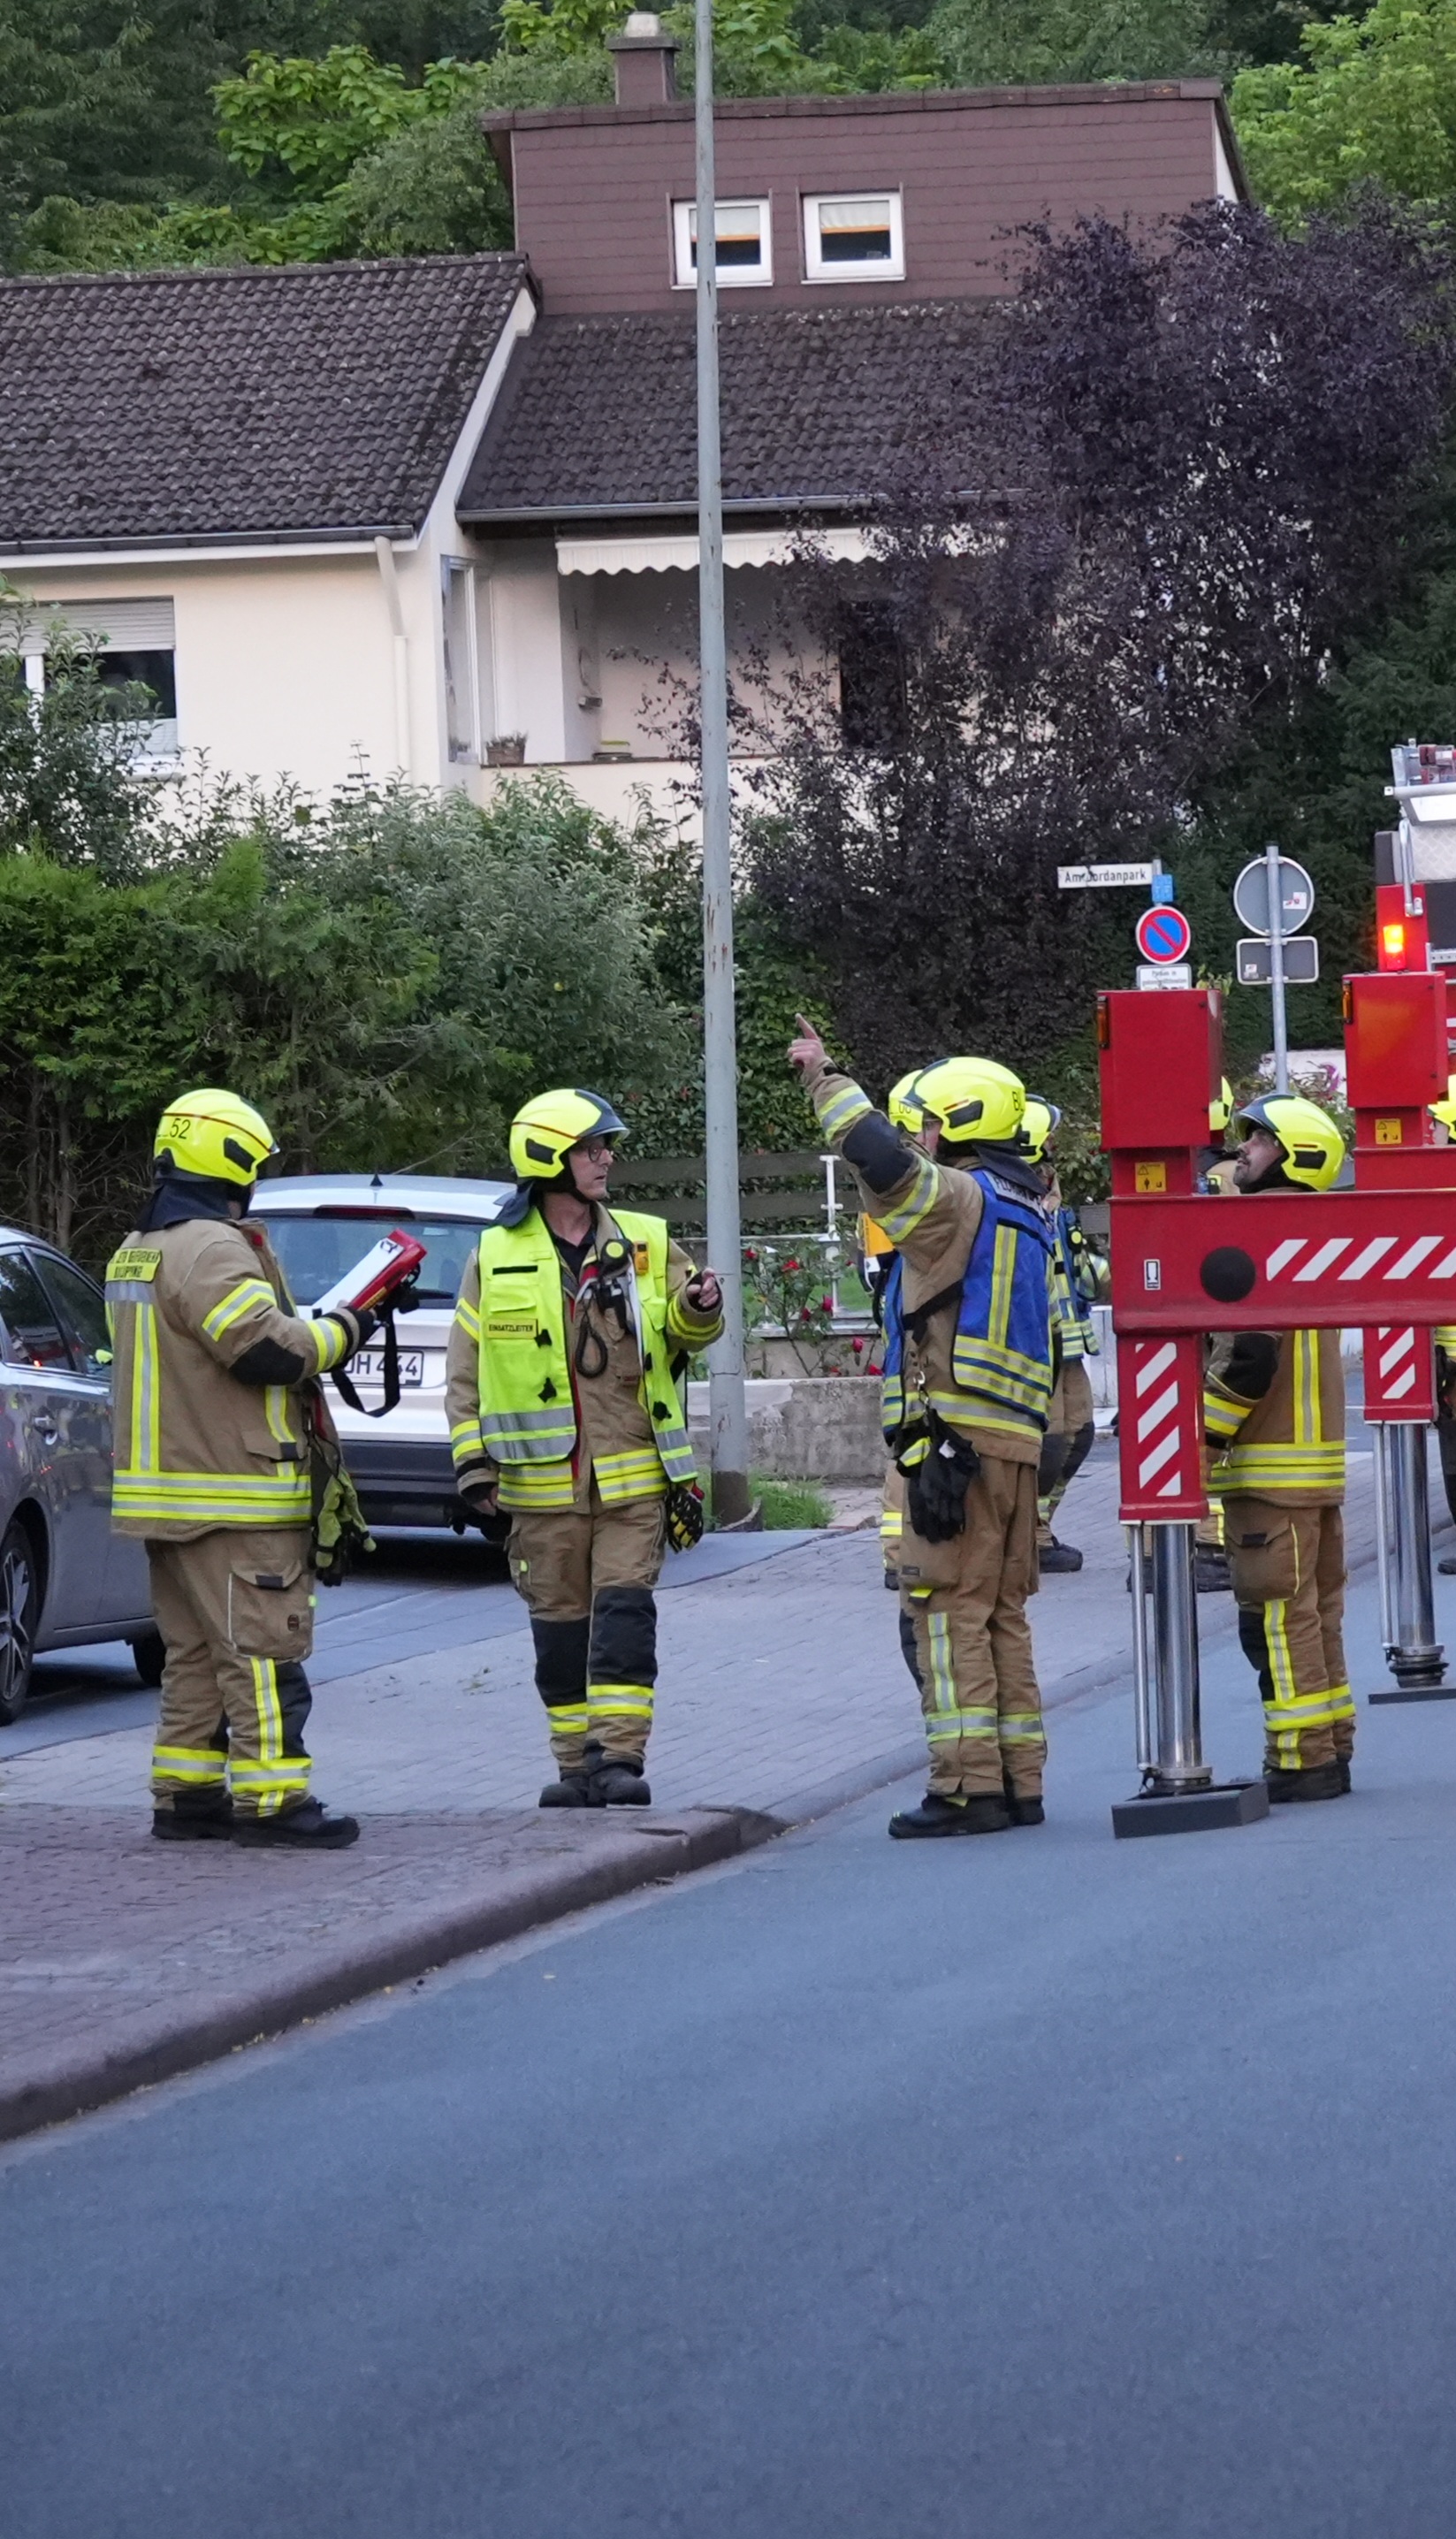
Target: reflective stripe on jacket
[194,1447]
[516,1402]
[1001,1359]
[1288,1445]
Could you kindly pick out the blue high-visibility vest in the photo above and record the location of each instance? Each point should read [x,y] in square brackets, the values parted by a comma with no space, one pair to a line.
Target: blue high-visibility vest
[1001,1356]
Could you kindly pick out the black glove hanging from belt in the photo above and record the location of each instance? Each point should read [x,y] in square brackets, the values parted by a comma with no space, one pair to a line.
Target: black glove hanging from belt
[935,1487]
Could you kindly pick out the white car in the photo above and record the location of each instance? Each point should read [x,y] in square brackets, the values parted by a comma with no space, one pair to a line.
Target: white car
[320,1225]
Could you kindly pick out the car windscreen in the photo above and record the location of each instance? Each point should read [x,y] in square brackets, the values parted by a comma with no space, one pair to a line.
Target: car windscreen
[315,1251]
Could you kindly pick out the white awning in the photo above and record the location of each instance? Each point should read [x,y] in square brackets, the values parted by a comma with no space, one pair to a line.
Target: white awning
[680,554]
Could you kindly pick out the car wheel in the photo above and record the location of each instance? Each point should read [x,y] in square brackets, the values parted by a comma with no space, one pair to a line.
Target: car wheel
[150,1655]
[20,1614]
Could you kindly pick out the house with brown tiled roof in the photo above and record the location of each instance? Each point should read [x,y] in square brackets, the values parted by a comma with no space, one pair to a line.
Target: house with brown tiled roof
[419,509]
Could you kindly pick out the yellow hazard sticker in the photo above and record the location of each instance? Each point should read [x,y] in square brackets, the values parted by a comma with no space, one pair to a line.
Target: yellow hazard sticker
[1388,1132]
[134,1264]
[1150,1177]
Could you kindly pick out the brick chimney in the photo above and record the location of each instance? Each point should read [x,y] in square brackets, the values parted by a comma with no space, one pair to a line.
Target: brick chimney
[644,54]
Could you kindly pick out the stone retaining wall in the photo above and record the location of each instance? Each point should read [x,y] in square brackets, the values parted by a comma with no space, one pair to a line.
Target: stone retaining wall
[812,1427]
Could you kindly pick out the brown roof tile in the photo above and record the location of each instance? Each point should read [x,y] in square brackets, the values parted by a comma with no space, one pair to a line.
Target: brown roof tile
[821,408]
[141,407]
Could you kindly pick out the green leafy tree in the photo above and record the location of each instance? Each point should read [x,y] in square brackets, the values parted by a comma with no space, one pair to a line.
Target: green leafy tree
[990,43]
[1373,101]
[68,782]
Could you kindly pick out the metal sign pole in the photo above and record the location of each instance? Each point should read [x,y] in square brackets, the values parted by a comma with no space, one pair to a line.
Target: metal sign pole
[1277,968]
[727,1414]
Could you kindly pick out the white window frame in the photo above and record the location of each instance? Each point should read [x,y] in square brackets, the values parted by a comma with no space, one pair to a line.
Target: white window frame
[730,277]
[864,268]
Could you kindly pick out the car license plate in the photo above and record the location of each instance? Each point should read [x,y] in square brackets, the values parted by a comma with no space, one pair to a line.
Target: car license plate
[369,1367]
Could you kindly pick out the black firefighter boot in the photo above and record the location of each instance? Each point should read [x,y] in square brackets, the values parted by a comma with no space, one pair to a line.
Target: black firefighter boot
[1054,1559]
[194,1816]
[304,1826]
[936,1817]
[573,1790]
[1024,1811]
[1316,1781]
[615,1780]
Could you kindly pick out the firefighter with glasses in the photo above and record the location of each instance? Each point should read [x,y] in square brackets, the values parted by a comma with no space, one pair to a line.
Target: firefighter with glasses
[216,1411]
[562,1384]
[1273,1418]
[968,1373]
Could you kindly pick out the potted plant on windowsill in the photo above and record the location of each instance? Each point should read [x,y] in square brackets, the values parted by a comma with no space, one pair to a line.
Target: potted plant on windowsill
[508,749]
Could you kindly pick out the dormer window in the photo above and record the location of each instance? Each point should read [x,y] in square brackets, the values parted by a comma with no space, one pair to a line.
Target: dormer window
[744,243]
[852,238]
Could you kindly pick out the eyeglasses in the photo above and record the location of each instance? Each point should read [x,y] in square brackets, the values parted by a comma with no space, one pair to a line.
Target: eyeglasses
[595,1149]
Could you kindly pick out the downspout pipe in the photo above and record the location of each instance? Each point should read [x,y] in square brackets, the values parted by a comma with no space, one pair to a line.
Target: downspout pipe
[389,579]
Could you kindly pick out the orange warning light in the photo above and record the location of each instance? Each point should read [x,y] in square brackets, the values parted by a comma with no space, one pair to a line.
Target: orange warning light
[1393,947]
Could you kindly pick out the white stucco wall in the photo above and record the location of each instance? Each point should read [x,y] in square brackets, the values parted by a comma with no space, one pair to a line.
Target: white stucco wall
[284,666]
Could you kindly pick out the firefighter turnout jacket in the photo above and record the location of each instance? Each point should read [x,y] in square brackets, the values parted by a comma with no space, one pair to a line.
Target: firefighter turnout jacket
[1077,1276]
[212,1382]
[1274,1416]
[554,1380]
[977,1241]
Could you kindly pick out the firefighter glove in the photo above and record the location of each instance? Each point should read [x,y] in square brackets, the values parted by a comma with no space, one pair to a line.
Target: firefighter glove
[936,1488]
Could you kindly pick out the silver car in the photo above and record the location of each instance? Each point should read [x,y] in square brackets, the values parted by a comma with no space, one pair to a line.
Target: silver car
[320,1225]
[65,1579]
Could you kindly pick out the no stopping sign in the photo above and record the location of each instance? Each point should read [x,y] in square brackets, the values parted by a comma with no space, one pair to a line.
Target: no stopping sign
[1163,934]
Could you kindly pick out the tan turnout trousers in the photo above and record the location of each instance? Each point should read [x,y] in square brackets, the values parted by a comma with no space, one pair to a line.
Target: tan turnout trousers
[1289,1583]
[587,1575]
[1070,1435]
[963,1621]
[236,1610]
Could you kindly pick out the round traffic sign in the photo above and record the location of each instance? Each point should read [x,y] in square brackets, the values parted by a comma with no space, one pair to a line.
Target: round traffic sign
[1251,897]
[1163,934]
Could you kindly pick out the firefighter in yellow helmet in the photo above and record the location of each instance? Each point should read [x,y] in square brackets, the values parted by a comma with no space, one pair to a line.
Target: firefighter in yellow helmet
[1077,1276]
[877,1254]
[1444,1114]
[1215,1168]
[562,1384]
[216,1404]
[1273,1416]
[967,1384]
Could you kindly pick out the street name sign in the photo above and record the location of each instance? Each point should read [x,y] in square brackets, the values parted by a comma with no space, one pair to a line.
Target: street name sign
[1106,876]
[1251,898]
[1254,961]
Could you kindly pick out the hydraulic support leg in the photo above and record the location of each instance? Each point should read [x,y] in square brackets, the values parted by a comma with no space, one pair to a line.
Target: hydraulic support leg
[1416,1658]
[1178,1794]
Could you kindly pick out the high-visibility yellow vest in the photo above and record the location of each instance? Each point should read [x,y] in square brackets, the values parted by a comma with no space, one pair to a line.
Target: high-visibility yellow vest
[527,1408]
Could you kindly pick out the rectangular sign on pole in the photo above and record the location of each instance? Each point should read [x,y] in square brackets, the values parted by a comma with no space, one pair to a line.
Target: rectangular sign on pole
[1165,974]
[1254,958]
[1105,876]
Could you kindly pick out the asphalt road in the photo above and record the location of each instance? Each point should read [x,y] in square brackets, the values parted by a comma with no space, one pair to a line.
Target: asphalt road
[1041,2187]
